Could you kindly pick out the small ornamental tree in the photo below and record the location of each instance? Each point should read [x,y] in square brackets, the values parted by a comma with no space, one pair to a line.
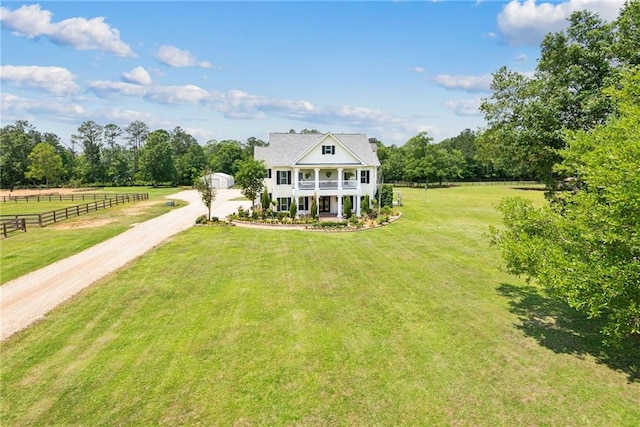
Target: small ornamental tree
[293,209]
[265,201]
[206,190]
[366,205]
[250,178]
[346,208]
[314,208]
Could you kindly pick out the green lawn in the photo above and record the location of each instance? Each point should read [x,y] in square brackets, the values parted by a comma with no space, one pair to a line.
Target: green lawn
[24,252]
[410,324]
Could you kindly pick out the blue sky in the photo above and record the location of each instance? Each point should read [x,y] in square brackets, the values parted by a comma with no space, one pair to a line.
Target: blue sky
[231,70]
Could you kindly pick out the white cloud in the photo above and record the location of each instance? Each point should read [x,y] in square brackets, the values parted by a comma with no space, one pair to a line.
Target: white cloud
[79,33]
[239,105]
[521,58]
[55,80]
[418,70]
[174,57]
[15,107]
[138,76]
[464,107]
[467,83]
[527,22]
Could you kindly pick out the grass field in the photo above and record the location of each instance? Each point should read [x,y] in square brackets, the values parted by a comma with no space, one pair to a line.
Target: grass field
[410,324]
[25,252]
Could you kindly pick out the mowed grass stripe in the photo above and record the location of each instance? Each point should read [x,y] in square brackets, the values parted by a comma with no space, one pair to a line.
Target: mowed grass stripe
[403,325]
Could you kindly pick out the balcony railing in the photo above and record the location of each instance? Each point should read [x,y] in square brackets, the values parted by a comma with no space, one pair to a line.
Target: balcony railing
[328,185]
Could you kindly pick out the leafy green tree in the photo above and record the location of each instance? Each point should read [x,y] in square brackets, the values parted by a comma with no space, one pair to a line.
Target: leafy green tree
[207,191]
[466,142]
[527,117]
[44,163]
[627,44]
[190,165]
[16,142]
[417,166]
[250,178]
[156,158]
[224,155]
[584,246]
[90,136]
[392,162]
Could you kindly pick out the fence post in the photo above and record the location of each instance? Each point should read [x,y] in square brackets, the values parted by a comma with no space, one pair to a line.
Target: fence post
[4,229]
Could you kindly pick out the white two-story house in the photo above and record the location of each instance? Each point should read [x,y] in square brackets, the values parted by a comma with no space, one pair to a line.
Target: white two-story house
[329,167]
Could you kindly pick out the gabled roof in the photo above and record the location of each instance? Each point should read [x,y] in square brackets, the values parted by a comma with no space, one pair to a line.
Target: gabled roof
[286,148]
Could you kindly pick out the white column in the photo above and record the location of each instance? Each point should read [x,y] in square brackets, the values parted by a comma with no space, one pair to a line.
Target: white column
[357,198]
[317,179]
[339,179]
[297,206]
[339,205]
[359,181]
[296,172]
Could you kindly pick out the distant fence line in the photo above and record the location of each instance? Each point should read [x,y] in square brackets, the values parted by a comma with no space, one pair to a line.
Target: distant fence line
[11,225]
[45,218]
[61,197]
[458,183]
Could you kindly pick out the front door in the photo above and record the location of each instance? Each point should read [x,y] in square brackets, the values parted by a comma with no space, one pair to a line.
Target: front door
[325,204]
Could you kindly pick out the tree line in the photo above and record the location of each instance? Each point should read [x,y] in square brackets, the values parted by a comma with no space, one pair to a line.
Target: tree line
[111,155]
[133,155]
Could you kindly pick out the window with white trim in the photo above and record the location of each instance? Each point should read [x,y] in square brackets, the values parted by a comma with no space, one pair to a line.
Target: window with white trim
[284,203]
[284,178]
[365,177]
[303,204]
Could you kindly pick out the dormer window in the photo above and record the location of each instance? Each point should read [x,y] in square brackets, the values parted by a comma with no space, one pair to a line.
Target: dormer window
[328,149]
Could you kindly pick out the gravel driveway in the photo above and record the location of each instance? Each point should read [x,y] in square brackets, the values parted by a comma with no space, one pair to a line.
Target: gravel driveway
[28,298]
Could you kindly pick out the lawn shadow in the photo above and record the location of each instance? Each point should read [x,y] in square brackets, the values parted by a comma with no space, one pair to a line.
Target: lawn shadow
[564,330]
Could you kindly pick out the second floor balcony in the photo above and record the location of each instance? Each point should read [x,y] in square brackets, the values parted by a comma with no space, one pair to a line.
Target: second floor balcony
[328,184]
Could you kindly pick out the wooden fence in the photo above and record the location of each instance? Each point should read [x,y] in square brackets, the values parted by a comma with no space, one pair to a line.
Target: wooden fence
[45,218]
[14,224]
[459,183]
[61,197]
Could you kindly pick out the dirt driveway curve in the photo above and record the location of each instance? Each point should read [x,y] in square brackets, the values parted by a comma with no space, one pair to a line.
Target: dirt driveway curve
[28,298]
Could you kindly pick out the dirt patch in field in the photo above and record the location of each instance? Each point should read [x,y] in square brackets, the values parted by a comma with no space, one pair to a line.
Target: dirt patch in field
[43,192]
[138,207]
[82,223]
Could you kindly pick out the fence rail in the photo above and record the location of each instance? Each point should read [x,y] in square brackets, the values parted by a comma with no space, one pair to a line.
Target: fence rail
[459,183]
[45,218]
[61,197]
[14,224]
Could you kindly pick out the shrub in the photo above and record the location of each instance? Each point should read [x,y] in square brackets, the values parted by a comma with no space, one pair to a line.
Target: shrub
[387,195]
[353,220]
[202,219]
[346,209]
[366,205]
[293,209]
[383,219]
